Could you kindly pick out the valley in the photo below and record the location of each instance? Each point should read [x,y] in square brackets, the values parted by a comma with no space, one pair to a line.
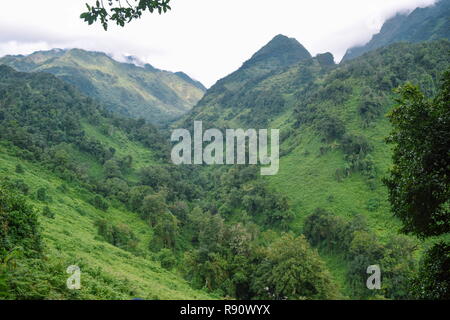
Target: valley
[87,177]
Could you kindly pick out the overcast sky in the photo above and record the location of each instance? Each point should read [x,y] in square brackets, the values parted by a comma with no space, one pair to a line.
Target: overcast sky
[207,39]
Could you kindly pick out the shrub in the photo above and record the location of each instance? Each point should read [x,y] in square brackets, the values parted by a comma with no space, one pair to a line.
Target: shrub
[99,203]
[46,212]
[119,235]
[167,259]
[41,194]
[19,169]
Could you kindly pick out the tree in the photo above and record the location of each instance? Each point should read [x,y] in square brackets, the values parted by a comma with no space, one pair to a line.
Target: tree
[122,12]
[165,232]
[292,270]
[153,207]
[19,226]
[433,282]
[419,182]
[112,169]
[167,259]
[99,203]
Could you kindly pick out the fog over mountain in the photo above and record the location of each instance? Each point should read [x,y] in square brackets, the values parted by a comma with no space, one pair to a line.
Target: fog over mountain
[207,46]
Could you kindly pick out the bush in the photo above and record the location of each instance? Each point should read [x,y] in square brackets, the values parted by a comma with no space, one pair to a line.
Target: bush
[41,194]
[18,224]
[119,235]
[19,169]
[46,212]
[167,259]
[433,282]
[99,203]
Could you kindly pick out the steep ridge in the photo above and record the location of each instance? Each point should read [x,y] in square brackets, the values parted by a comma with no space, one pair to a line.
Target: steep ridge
[423,24]
[131,90]
[232,98]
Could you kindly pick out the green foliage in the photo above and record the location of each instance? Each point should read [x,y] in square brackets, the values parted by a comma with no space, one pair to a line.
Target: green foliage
[165,232]
[432,281]
[47,212]
[18,185]
[19,169]
[41,194]
[167,259]
[119,235]
[325,230]
[153,207]
[290,269]
[98,202]
[93,164]
[122,14]
[419,183]
[18,225]
[361,248]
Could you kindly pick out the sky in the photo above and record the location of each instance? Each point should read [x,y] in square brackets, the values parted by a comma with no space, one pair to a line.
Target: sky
[207,39]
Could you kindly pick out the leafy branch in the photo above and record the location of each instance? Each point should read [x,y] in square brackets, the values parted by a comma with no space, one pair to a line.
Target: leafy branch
[122,13]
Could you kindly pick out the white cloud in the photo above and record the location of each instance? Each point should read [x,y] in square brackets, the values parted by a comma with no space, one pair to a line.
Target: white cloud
[207,39]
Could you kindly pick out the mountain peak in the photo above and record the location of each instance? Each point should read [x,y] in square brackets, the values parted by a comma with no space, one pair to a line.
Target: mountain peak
[281,50]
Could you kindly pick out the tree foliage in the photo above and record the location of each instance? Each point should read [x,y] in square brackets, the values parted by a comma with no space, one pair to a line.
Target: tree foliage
[122,12]
[419,182]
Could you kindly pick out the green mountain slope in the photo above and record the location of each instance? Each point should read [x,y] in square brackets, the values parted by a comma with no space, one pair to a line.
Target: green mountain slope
[108,201]
[325,113]
[333,125]
[423,24]
[137,92]
[63,155]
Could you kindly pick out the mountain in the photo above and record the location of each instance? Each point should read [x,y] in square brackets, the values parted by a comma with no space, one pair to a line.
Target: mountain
[82,187]
[234,96]
[99,191]
[131,90]
[333,126]
[423,24]
[280,52]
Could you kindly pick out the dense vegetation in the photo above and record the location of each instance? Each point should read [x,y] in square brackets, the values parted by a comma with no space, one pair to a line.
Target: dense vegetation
[333,129]
[419,182]
[82,186]
[211,225]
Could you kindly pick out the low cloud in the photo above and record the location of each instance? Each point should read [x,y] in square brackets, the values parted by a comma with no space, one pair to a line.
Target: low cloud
[206,39]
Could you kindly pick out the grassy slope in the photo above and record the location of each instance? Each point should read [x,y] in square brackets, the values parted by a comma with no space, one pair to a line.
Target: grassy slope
[71,236]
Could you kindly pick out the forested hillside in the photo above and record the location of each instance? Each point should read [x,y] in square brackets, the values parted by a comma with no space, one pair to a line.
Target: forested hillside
[130,90]
[66,169]
[80,186]
[334,154]
[86,177]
